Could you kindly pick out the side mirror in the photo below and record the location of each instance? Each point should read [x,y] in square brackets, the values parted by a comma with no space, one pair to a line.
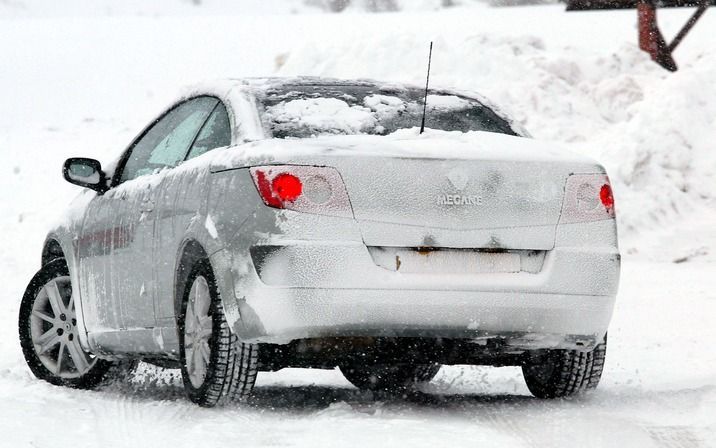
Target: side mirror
[85,173]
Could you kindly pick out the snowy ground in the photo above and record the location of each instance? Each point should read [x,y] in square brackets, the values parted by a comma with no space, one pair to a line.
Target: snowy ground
[74,86]
[659,390]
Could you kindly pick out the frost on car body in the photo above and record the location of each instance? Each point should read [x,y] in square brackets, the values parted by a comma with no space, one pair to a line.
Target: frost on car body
[323,225]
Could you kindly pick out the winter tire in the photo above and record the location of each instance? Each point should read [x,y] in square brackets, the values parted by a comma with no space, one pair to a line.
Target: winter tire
[563,373]
[216,367]
[382,377]
[49,334]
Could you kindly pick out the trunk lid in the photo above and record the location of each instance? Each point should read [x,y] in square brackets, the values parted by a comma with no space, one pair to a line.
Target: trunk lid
[445,189]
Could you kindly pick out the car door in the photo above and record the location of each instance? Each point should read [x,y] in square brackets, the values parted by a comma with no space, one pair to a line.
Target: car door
[116,261]
[182,198]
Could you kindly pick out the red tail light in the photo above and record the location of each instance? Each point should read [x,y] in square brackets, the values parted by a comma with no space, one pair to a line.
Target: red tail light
[265,189]
[309,189]
[605,194]
[287,187]
[587,197]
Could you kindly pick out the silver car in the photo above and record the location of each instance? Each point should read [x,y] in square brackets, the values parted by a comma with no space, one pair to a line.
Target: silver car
[260,224]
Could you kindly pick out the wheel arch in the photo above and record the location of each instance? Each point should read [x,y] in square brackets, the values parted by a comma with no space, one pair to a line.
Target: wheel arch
[86,379]
[61,244]
[51,250]
[190,253]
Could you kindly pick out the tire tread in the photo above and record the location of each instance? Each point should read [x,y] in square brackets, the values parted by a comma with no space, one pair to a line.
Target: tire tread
[564,373]
[101,372]
[232,376]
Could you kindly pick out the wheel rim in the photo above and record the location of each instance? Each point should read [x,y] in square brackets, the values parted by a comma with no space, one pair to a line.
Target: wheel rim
[53,329]
[198,328]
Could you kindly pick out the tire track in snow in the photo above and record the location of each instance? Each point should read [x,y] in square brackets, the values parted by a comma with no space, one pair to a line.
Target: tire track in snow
[148,401]
[675,437]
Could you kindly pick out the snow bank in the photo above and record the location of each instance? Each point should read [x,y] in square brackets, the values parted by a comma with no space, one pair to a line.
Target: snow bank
[163,8]
[155,8]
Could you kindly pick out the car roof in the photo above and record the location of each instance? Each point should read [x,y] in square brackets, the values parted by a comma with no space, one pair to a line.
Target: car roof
[234,90]
[272,82]
[260,84]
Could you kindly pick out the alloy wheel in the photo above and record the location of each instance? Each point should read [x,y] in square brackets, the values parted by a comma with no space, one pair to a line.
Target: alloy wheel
[53,329]
[198,328]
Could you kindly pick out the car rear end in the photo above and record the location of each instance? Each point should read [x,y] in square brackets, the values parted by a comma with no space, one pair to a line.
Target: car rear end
[478,238]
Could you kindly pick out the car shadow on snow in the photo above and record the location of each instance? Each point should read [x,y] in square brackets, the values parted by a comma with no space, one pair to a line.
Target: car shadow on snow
[167,386]
[315,398]
[148,383]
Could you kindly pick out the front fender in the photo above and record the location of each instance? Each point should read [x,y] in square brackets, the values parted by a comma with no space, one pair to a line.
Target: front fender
[68,238]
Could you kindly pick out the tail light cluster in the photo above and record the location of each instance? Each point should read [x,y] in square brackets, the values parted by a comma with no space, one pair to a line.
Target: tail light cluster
[308,189]
[587,197]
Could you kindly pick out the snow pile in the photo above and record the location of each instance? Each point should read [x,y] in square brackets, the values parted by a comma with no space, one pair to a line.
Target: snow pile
[381,5]
[653,130]
[155,8]
[162,8]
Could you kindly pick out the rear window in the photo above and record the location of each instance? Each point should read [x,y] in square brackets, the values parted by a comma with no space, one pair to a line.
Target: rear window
[309,111]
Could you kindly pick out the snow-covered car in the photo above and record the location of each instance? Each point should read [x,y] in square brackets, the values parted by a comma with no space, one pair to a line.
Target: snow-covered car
[259,224]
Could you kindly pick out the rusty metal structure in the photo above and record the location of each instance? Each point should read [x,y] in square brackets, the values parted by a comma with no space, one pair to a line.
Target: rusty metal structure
[651,39]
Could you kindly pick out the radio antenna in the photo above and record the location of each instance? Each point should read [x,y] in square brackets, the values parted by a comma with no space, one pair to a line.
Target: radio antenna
[427,83]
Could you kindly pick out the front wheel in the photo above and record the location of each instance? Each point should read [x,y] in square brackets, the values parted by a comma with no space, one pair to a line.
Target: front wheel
[49,333]
[216,367]
[563,373]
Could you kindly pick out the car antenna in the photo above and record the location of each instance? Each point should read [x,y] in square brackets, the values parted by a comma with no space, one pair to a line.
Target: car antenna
[427,83]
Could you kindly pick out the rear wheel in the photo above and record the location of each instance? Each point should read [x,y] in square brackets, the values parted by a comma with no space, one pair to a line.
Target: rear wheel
[386,377]
[49,334]
[216,367]
[563,373]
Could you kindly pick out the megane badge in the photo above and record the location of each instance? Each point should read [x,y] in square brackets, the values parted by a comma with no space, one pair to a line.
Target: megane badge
[458,179]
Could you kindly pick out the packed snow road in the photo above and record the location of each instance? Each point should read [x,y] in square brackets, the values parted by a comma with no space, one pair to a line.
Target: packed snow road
[659,389]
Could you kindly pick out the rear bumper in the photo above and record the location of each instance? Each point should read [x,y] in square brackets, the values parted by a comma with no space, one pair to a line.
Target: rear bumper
[330,289]
[527,320]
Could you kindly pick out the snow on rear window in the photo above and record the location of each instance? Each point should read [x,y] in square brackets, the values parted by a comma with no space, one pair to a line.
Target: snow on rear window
[447,102]
[385,106]
[321,116]
[311,111]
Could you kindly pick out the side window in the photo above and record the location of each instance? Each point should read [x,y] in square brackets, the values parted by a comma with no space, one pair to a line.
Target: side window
[215,133]
[167,142]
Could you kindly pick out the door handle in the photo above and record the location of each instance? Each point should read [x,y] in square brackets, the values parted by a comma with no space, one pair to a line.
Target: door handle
[147,206]
[113,194]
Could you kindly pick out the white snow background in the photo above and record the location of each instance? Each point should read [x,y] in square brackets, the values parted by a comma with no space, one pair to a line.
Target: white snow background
[81,77]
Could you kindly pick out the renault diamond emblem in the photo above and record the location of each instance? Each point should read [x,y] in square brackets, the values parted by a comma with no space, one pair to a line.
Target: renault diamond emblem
[458,178]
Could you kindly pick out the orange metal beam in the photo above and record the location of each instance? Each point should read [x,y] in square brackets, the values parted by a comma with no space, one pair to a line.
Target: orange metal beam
[652,41]
[650,38]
